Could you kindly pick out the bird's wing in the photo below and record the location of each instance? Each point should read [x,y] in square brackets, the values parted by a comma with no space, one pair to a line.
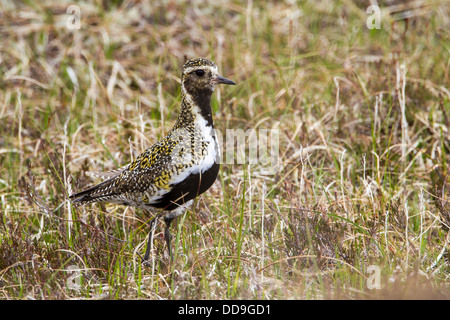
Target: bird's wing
[144,174]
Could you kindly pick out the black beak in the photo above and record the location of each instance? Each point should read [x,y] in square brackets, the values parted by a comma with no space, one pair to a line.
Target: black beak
[223,80]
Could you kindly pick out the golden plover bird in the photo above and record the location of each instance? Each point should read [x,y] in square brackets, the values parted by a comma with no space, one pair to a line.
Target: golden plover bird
[171,173]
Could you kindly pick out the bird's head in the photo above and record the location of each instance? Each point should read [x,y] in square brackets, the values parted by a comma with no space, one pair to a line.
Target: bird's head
[201,76]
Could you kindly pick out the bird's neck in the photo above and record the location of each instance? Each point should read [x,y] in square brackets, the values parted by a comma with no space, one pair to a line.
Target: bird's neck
[195,108]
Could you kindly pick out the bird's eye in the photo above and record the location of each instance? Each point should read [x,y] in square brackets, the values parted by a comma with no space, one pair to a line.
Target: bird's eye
[200,73]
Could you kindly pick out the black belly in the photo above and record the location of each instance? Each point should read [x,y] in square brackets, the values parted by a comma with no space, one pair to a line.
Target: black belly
[193,186]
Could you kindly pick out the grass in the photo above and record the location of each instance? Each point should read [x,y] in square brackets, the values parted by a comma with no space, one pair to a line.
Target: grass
[357,209]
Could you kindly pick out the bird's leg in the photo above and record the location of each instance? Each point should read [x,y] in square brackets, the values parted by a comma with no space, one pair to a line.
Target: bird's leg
[153,224]
[168,220]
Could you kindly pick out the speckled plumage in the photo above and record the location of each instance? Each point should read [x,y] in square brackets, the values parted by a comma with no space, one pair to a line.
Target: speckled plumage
[178,168]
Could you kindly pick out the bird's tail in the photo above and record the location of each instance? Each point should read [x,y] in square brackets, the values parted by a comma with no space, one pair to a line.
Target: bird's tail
[99,192]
